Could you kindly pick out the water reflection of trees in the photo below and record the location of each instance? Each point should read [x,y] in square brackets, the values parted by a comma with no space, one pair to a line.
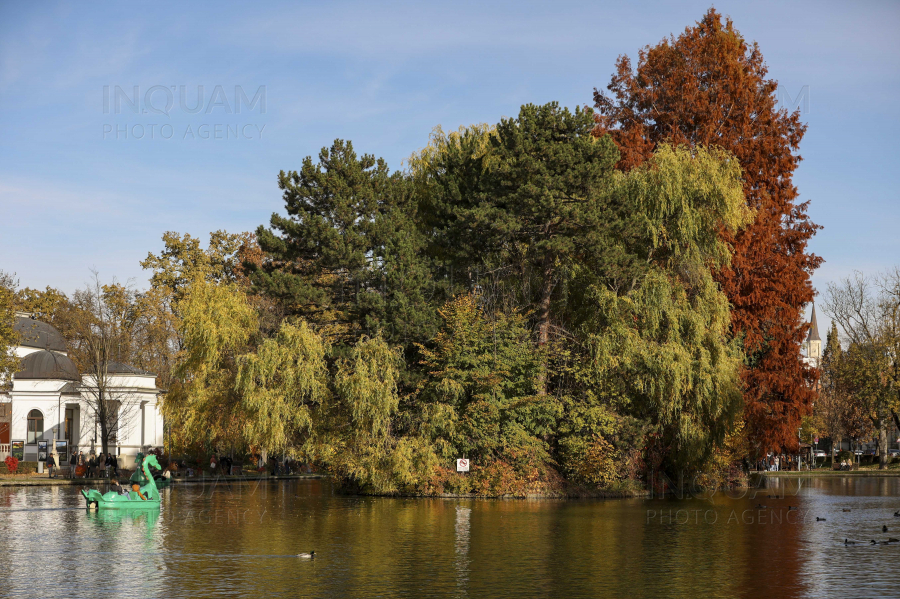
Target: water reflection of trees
[243,538]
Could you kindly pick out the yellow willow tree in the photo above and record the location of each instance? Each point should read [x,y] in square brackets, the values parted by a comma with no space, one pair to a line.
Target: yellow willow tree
[281,385]
[217,326]
[420,163]
[660,347]
[358,433]
[277,394]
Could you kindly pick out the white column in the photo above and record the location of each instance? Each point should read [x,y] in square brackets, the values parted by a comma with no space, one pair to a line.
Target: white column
[157,426]
[143,424]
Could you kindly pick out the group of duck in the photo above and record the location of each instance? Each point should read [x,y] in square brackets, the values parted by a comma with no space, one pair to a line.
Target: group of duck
[884,528]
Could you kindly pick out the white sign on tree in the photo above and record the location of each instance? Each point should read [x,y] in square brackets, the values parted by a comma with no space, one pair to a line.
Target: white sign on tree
[462,465]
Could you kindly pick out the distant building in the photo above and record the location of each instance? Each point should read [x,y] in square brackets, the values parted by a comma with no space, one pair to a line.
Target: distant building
[49,401]
[812,347]
[812,350]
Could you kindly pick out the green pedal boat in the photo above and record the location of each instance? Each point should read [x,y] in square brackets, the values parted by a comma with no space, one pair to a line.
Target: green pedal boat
[131,500]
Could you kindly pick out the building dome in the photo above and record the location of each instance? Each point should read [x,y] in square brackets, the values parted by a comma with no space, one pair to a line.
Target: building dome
[47,365]
[34,333]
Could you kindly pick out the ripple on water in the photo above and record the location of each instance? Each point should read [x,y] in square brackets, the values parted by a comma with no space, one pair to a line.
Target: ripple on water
[243,539]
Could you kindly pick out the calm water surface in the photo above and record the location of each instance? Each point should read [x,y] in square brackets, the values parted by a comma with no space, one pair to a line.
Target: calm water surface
[241,539]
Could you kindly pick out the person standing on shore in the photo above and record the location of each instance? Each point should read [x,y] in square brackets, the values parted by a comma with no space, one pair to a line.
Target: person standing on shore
[73,461]
[51,462]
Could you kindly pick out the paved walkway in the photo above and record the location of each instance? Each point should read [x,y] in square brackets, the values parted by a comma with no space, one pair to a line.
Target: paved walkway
[37,480]
[829,472]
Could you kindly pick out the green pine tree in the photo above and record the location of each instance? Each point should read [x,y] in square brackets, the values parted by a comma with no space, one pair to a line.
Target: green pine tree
[530,202]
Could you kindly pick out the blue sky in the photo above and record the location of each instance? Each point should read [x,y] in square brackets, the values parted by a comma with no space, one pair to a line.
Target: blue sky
[77,194]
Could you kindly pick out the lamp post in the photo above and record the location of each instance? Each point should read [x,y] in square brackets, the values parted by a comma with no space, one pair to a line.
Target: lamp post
[816,453]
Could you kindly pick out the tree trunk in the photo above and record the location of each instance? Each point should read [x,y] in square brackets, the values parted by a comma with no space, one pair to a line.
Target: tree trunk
[544,323]
[104,437]
[103,416]
[882,444]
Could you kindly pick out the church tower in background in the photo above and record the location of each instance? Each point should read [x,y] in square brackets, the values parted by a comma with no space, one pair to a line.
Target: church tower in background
[813,342]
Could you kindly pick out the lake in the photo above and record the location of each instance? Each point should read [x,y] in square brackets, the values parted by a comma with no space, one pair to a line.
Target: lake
[242,540]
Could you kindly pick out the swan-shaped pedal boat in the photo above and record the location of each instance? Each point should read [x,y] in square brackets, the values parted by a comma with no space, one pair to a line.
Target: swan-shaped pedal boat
[147,497]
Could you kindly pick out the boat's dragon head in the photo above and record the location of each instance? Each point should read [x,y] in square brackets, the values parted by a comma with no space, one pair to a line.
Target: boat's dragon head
[92,496]
[150,460]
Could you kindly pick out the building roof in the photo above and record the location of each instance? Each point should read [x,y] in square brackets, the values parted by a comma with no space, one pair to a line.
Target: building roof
[120,368]
[34,333]
[47,365]
[813,327]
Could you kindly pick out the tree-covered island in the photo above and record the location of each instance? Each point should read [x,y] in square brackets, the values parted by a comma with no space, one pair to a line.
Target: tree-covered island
[572,299]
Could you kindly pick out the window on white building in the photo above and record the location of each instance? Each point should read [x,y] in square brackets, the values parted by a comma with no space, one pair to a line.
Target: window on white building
[35,426]
[70,425]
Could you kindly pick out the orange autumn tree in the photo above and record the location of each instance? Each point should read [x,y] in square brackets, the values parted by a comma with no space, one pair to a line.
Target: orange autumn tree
[708,87]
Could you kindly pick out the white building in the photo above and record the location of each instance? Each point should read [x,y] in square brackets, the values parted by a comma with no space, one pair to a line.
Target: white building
[50,401]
